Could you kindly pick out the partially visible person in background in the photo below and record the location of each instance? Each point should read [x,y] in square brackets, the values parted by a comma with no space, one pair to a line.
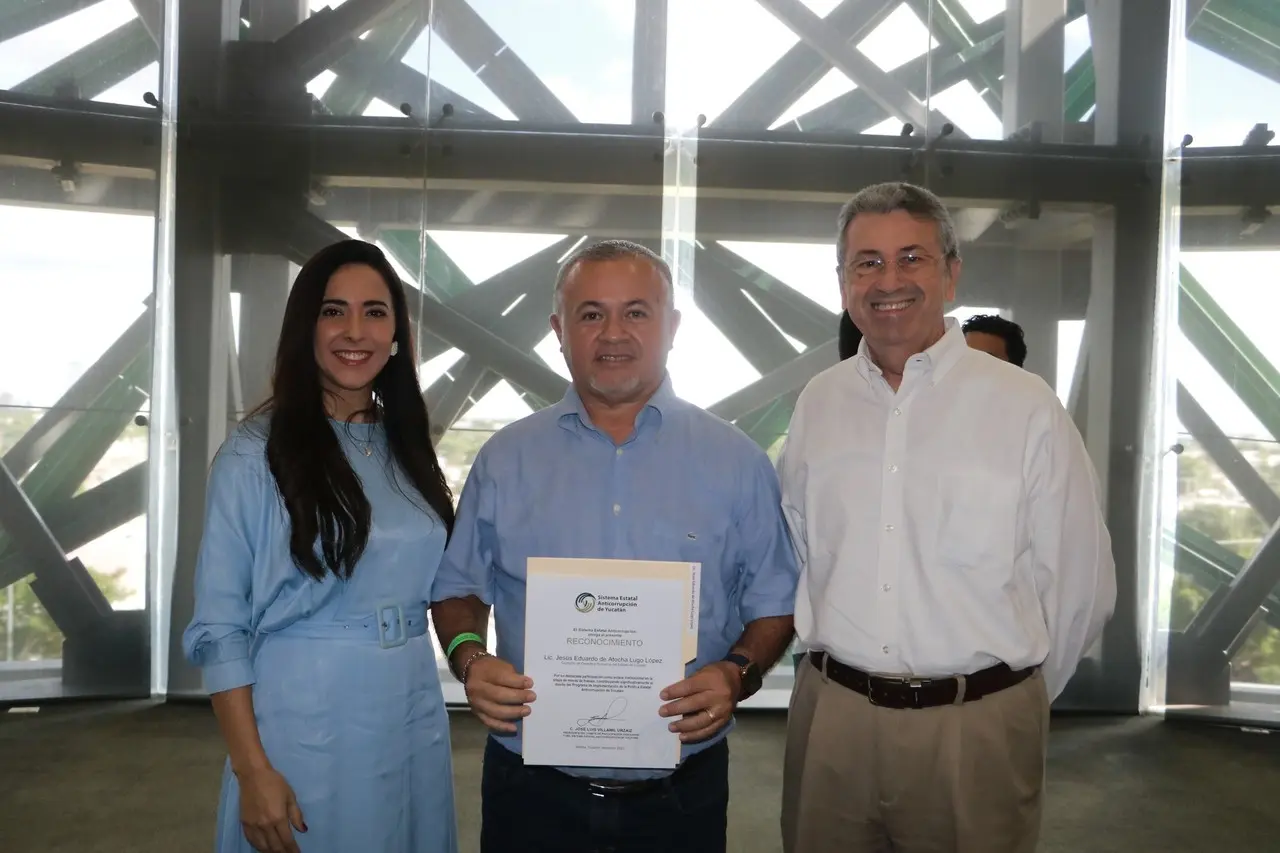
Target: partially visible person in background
[326,517]
[997,336]
[850,337]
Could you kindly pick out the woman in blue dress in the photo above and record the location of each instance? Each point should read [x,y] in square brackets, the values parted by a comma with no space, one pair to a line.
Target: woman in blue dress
[326,517]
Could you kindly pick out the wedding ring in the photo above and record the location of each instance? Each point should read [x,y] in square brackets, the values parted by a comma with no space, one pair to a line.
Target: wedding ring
[709,714]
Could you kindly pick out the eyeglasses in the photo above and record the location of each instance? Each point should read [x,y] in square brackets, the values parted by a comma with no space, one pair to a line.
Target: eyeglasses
[908,264]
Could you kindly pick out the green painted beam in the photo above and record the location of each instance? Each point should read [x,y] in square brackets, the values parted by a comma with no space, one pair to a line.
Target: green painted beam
[444,278]
[350,94]
[1230,352]
[765,426]
[98,66]
[63,469]
[1248,34]
[1210,565]
[1081,88]
[61,472]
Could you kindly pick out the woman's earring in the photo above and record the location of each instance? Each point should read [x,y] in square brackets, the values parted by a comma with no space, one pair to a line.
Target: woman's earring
[395,347]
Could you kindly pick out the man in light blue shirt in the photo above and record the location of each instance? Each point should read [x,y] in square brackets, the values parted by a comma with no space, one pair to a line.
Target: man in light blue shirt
[621,468]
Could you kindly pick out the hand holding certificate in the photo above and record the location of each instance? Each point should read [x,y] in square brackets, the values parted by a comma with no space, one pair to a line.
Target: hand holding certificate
[603,639]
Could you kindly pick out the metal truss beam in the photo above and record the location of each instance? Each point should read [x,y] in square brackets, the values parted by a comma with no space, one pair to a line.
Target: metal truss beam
[857,111]
[1243,175]
[383,48]
[778,165]
[514,304]
[22,17]
[796,72]
[496,64]
[1219,628]
[151,13]
[604,210]
[76,402]
[610,160]
[720,295]
[649,61]
[97,67]
[66,590]
[891,95]
[954,29]
[1230,461]
[792,376]
[85,517]
[450,396]
[313,45]
[398,85]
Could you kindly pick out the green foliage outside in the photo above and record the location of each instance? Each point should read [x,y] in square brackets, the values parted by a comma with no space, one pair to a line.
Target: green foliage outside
[35,637]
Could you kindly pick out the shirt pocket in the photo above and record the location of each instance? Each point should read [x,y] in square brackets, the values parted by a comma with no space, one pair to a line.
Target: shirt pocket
[692,541]
[698,541]
[977,521]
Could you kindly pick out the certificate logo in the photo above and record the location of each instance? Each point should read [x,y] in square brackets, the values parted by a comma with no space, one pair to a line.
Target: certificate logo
[585,603]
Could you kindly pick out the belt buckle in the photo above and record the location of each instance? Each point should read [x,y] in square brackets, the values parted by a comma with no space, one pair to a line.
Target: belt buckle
[400,635]
[913,684]
[599,788]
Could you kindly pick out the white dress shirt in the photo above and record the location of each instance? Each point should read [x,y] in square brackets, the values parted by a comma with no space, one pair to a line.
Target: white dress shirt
[948,526]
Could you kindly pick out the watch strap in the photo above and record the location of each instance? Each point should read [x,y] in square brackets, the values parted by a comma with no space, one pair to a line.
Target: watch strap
[737,659]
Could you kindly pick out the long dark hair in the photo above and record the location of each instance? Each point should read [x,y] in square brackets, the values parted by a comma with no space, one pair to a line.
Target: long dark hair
[320,490]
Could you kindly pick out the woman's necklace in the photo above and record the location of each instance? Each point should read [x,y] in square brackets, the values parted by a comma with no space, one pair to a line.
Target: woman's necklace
[366,447]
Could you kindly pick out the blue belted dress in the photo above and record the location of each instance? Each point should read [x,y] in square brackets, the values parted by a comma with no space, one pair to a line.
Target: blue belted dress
[346,689]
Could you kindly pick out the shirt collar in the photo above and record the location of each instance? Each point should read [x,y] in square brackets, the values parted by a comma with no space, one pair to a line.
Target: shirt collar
[570,408]
[937,359]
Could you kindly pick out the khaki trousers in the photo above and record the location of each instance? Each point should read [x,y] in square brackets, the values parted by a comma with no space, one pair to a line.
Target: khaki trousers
[954,779]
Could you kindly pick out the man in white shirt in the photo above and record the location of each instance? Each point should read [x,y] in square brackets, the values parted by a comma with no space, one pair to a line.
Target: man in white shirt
[955,565]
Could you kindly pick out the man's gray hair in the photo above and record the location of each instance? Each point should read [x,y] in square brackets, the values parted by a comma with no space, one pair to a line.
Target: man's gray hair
[610,250]
[898,195]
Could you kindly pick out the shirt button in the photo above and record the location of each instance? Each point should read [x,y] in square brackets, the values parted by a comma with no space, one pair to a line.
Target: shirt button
[893,469]
[617,508]
[888,527]
[897,411]
[884,649]
[619,451]
[886,587]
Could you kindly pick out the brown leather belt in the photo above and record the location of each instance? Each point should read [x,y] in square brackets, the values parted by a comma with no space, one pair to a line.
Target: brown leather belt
[904,693]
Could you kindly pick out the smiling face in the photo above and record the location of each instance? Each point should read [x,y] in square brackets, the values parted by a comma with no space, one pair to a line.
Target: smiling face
[616,326]
[353,338]
[896,282]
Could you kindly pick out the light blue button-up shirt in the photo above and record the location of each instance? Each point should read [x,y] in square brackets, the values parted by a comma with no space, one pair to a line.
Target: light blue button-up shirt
[686,486]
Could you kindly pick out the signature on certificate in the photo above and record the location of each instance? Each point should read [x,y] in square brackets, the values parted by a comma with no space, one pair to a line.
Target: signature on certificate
[613,712]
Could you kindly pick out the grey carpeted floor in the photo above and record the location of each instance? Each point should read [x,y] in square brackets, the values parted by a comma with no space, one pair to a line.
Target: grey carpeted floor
[144,778]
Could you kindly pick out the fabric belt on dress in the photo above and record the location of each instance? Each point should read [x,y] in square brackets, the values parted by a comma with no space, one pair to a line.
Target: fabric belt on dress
[632,787]
[390,625]
[914,693]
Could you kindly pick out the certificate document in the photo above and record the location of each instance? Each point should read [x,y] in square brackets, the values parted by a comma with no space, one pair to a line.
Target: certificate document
[603,638]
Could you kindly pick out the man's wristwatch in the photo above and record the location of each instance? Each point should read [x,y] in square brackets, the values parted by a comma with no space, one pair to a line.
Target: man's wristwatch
[748,673]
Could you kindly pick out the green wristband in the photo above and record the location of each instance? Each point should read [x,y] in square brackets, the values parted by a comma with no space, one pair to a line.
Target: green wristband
[463,638]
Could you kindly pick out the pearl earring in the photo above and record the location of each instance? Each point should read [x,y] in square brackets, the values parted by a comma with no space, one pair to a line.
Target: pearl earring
[395,347]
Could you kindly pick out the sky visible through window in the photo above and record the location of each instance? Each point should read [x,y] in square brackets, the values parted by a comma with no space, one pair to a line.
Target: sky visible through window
[92,271]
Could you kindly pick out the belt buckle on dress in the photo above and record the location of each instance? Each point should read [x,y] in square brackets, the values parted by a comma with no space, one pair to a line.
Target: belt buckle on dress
[400,633]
